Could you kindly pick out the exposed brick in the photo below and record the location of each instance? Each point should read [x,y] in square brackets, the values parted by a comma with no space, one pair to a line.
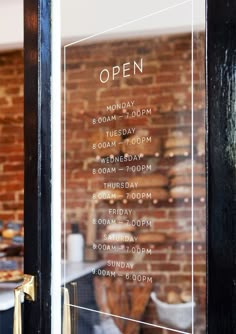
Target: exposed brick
[164,87]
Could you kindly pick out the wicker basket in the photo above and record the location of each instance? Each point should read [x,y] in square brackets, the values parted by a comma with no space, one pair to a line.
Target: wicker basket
[178,316]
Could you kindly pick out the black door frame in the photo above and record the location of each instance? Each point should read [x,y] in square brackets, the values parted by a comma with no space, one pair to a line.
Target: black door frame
[221,164]
[221,156]
[37,141]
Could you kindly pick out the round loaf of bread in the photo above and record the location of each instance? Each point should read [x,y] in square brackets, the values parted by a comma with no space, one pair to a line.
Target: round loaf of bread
[173,298]
[159,194]
[9,233]
[151,237]
[186,192]
[186,235]
[176,140]
[138,144]
[120,227]
[186,296]
[185,167]
[150,180]
[186,180]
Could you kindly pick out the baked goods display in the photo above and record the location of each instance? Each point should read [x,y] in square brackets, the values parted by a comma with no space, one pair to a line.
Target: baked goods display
[187,192]
[149,187]
[10,230]
[120,227]
[185,168]
[11,275]
[183,184]
[113,297]
[174,297]
[177,144]
[11,248]
[151,237]
[147,194]
[183,180]
[150,180]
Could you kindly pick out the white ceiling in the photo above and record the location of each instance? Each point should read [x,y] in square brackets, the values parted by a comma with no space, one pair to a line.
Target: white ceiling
[85,18]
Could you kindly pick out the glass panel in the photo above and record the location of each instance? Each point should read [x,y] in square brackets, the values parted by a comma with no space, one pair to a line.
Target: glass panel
[134,170]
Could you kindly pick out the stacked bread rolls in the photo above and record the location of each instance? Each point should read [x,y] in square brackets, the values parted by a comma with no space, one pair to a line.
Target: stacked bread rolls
[136,144]
[154,186]
[185,176]
[177,144]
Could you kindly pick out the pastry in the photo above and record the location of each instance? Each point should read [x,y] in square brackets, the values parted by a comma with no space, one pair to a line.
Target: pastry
[150,180]
[183,180]
[176,140]
[151,237]
[185,167]
[120,227]
[142,143]
[148,194]
[186,296]
[173,298]
[186,191]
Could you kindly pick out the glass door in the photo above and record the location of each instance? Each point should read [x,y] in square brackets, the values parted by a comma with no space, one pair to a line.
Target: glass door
[134,179]
[133,169]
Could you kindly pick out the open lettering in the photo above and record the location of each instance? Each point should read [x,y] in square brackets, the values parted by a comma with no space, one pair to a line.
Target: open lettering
[125,70]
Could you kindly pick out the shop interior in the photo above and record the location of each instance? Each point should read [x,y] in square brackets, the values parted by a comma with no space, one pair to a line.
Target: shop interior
[133,186]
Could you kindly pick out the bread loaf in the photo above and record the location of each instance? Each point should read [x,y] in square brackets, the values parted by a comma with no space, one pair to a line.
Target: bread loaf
[9,233]
[186,191]
[120,227]
[183,180]
[150,180]
[185,167]
[173,298]
[148,194]
[137,145]
[176,140]
[151,237]
[186,296]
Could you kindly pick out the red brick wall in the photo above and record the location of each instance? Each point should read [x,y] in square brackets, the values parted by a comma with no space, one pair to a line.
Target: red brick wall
[11,136]
[165,87]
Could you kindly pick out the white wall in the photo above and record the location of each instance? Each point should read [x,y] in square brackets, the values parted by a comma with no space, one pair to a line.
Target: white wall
[85,18]
[82,18]
[11,23]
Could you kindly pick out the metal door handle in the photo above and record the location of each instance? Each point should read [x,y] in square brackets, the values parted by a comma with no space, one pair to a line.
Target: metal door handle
[66,312]
[28,288]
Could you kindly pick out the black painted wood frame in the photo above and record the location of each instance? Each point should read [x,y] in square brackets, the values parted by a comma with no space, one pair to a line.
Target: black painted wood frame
[221,120]
[37,141]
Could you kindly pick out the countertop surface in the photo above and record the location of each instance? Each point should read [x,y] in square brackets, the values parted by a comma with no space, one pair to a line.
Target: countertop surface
[70,272]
